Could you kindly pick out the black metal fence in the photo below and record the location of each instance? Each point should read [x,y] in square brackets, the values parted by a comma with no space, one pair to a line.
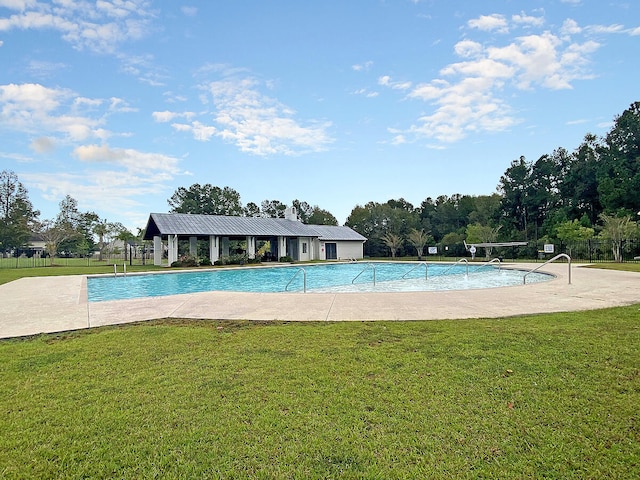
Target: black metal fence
[592,251]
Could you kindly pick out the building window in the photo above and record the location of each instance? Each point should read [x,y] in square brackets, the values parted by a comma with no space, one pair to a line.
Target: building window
[304,247]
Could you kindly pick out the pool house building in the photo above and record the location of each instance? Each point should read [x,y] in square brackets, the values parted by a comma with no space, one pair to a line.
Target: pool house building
[287,237]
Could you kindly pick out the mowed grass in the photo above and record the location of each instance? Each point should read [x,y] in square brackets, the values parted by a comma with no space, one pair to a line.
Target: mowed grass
[548,396]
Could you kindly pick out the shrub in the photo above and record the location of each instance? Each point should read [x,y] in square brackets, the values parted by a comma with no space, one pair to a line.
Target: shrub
[186,261]
[286,259]
[236,259]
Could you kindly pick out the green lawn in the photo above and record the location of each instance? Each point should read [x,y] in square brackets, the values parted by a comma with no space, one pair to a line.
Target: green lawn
[549,396]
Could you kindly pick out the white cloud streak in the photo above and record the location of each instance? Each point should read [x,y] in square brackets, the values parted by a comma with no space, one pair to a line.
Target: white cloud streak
[33,108]
[99,27]
[470,95]
[254,122]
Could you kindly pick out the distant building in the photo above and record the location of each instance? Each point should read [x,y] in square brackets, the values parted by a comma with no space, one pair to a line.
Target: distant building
[287,236]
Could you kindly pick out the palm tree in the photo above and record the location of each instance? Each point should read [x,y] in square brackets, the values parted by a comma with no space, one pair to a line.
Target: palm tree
[617,230]
[418,239]
[393,241]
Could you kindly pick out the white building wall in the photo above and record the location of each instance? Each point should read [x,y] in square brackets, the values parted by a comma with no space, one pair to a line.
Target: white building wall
[347,250]
[309,254]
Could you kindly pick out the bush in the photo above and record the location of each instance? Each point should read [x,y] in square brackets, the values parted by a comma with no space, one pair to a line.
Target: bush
[205,262]
[186,261]
[237,259]
[286,259]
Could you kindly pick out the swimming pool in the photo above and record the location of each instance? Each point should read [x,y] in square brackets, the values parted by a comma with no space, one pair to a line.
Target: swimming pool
[322,278]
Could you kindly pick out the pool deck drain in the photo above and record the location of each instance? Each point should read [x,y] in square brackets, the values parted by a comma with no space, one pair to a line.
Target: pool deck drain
[53,304]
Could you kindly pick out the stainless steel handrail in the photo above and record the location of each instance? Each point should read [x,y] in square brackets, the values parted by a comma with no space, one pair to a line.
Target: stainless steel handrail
[459,261]
[493,260]
[560,255]
[426,270]
[304,280]
[369,265]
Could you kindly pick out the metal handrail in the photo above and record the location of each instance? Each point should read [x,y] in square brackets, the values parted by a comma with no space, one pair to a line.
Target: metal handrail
[369,265]
[304,280]
[560,255]
[461,260]
[426,270]
[494,260]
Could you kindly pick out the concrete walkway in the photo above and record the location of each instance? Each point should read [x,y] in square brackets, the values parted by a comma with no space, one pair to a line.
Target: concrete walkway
[52,304]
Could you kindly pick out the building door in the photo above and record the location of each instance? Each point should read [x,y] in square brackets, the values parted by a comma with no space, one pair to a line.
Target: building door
[292,248]
[331,251]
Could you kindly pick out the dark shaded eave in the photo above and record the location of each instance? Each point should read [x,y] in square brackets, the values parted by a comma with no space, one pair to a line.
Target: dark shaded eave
[151,230]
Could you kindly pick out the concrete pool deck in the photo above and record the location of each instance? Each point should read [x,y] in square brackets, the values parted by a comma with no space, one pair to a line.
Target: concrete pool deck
[30,306]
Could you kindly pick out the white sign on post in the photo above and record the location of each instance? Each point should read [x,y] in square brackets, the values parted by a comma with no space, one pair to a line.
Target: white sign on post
[433,250]
[548,248]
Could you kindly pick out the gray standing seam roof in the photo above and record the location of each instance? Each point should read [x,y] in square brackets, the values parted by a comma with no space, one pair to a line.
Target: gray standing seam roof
[219,225]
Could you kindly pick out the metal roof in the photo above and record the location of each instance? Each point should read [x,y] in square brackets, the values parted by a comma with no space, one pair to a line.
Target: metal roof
[330,232]
[186,224]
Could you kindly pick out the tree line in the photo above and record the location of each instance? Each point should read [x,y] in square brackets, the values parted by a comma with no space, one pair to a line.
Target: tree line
[70,233]
[590,193]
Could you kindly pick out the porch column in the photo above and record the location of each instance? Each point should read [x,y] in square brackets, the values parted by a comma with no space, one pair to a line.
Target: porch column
[193,246]
[173,249]
[157,250]
[214,249]
[251,247]
[282,247]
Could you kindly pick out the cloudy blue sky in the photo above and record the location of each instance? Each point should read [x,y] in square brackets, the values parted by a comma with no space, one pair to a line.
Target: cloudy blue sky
[337,103]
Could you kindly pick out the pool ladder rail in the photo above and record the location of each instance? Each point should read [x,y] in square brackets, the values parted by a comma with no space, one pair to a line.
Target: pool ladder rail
[426,270]
[304,280]
[369,265]
[560,255]
[462,260]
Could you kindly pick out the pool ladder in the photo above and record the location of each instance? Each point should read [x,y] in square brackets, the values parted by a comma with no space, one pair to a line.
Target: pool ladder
[426,270]
[560,255]
[426,267]
[369,265]
[454,265]
[304,279]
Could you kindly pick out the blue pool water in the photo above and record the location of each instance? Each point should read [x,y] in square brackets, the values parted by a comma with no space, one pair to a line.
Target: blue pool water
[346,277]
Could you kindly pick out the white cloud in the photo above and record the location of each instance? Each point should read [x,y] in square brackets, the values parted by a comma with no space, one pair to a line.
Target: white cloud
[43,145]
[158,166]
[109,191]
[387,82]
[470,96]
[616,28]
[99,27]
[254,122]
[528,20]
[490,23]
[163,117]
[167,116]
[362,66]
[366,93]
[200,132]
[189,11]
[468,48]
[635,31]
[34,109]
[570,27]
